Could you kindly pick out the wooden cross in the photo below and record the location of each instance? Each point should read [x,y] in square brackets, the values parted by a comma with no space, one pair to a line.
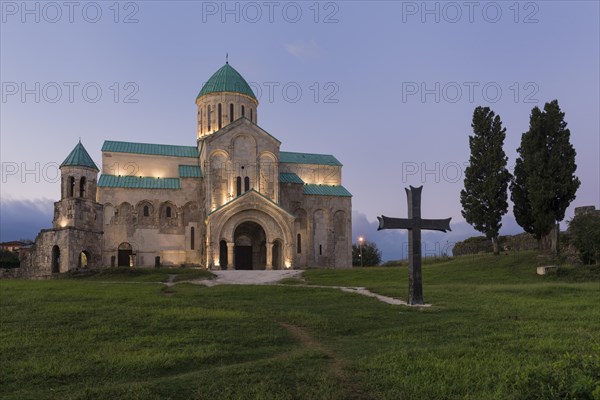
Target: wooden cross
[414,224]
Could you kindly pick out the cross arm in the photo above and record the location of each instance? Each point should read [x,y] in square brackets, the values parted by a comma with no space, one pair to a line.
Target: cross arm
[442,225]
[394,223]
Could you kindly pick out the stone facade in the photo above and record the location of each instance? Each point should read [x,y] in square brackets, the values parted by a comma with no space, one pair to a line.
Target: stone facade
[233,201]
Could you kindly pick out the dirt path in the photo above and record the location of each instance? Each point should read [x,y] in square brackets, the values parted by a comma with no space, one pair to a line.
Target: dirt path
[353,390]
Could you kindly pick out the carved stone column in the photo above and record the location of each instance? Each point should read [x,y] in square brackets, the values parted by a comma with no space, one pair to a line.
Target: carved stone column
[209,256]
[269,256]
[230,259]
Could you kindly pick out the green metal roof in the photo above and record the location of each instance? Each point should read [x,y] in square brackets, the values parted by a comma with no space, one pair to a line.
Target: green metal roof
[190,171]
[226,79]
[326,190]
[149,148]
[287,177]
[79,157]
[307,158]
[135,182]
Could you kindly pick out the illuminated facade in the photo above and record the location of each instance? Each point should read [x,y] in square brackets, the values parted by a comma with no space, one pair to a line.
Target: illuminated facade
[233,201]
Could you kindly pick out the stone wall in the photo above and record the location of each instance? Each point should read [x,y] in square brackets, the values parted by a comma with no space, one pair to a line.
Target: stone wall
[59,250]
[587,210]
[166,231]
[148,165]
[324,224]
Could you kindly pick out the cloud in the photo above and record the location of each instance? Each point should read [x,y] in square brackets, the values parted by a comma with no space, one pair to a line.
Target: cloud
[23,219]
[304,51]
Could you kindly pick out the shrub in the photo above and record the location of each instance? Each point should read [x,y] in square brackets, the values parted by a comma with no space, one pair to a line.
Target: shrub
[585,236]
[9,259]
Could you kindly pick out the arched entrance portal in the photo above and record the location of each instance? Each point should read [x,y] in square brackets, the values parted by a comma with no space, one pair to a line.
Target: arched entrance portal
[250,246]
[125,255]
[55,260]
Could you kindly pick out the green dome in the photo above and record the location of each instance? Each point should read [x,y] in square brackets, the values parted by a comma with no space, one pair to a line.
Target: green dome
[227,79]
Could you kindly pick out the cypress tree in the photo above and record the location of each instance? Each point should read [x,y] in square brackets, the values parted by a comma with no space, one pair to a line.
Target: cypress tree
[484,197]
[544,182]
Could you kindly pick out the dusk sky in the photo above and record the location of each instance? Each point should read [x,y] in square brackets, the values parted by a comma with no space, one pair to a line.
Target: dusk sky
[388,87]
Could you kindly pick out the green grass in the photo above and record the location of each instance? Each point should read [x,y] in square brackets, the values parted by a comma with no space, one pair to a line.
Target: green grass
[496,330]
[124,274]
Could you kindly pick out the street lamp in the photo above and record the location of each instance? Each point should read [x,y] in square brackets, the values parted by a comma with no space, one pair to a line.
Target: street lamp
[360,243]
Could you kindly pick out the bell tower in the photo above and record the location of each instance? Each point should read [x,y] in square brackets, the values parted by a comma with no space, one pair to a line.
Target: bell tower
[77,207]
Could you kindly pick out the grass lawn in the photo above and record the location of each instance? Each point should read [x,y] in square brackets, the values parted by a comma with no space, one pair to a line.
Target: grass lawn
[496,330]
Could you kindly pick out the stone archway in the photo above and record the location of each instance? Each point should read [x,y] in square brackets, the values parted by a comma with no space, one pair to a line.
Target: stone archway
[125,255]
[248,209]
[250,249]
[55,259]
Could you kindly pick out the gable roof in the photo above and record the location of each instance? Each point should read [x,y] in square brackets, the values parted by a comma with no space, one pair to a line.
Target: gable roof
[134,182]
[235,124]
[308,158]
[79,157]
[326,190]
[150,148]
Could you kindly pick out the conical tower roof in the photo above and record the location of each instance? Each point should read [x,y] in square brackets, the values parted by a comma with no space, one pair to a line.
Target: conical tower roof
[79,157]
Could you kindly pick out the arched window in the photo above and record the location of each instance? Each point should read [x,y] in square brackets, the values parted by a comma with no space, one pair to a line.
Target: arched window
[146,211]
[82,187]
[252,114]
[243,111]
[299,243]
[55,259]
[84,259]
[200,120]
[238,185]
[208,116]
[230,112]
[168,212]
[70,186]
[192,237]
[246,184]
[220,116]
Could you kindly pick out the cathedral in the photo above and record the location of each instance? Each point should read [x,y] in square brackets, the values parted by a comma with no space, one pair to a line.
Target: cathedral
[232,201]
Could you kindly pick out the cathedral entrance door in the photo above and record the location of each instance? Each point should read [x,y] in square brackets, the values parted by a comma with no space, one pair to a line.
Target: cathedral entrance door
[250,246]
[243,257]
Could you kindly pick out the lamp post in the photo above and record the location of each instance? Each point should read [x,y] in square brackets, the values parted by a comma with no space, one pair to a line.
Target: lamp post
[360,244]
